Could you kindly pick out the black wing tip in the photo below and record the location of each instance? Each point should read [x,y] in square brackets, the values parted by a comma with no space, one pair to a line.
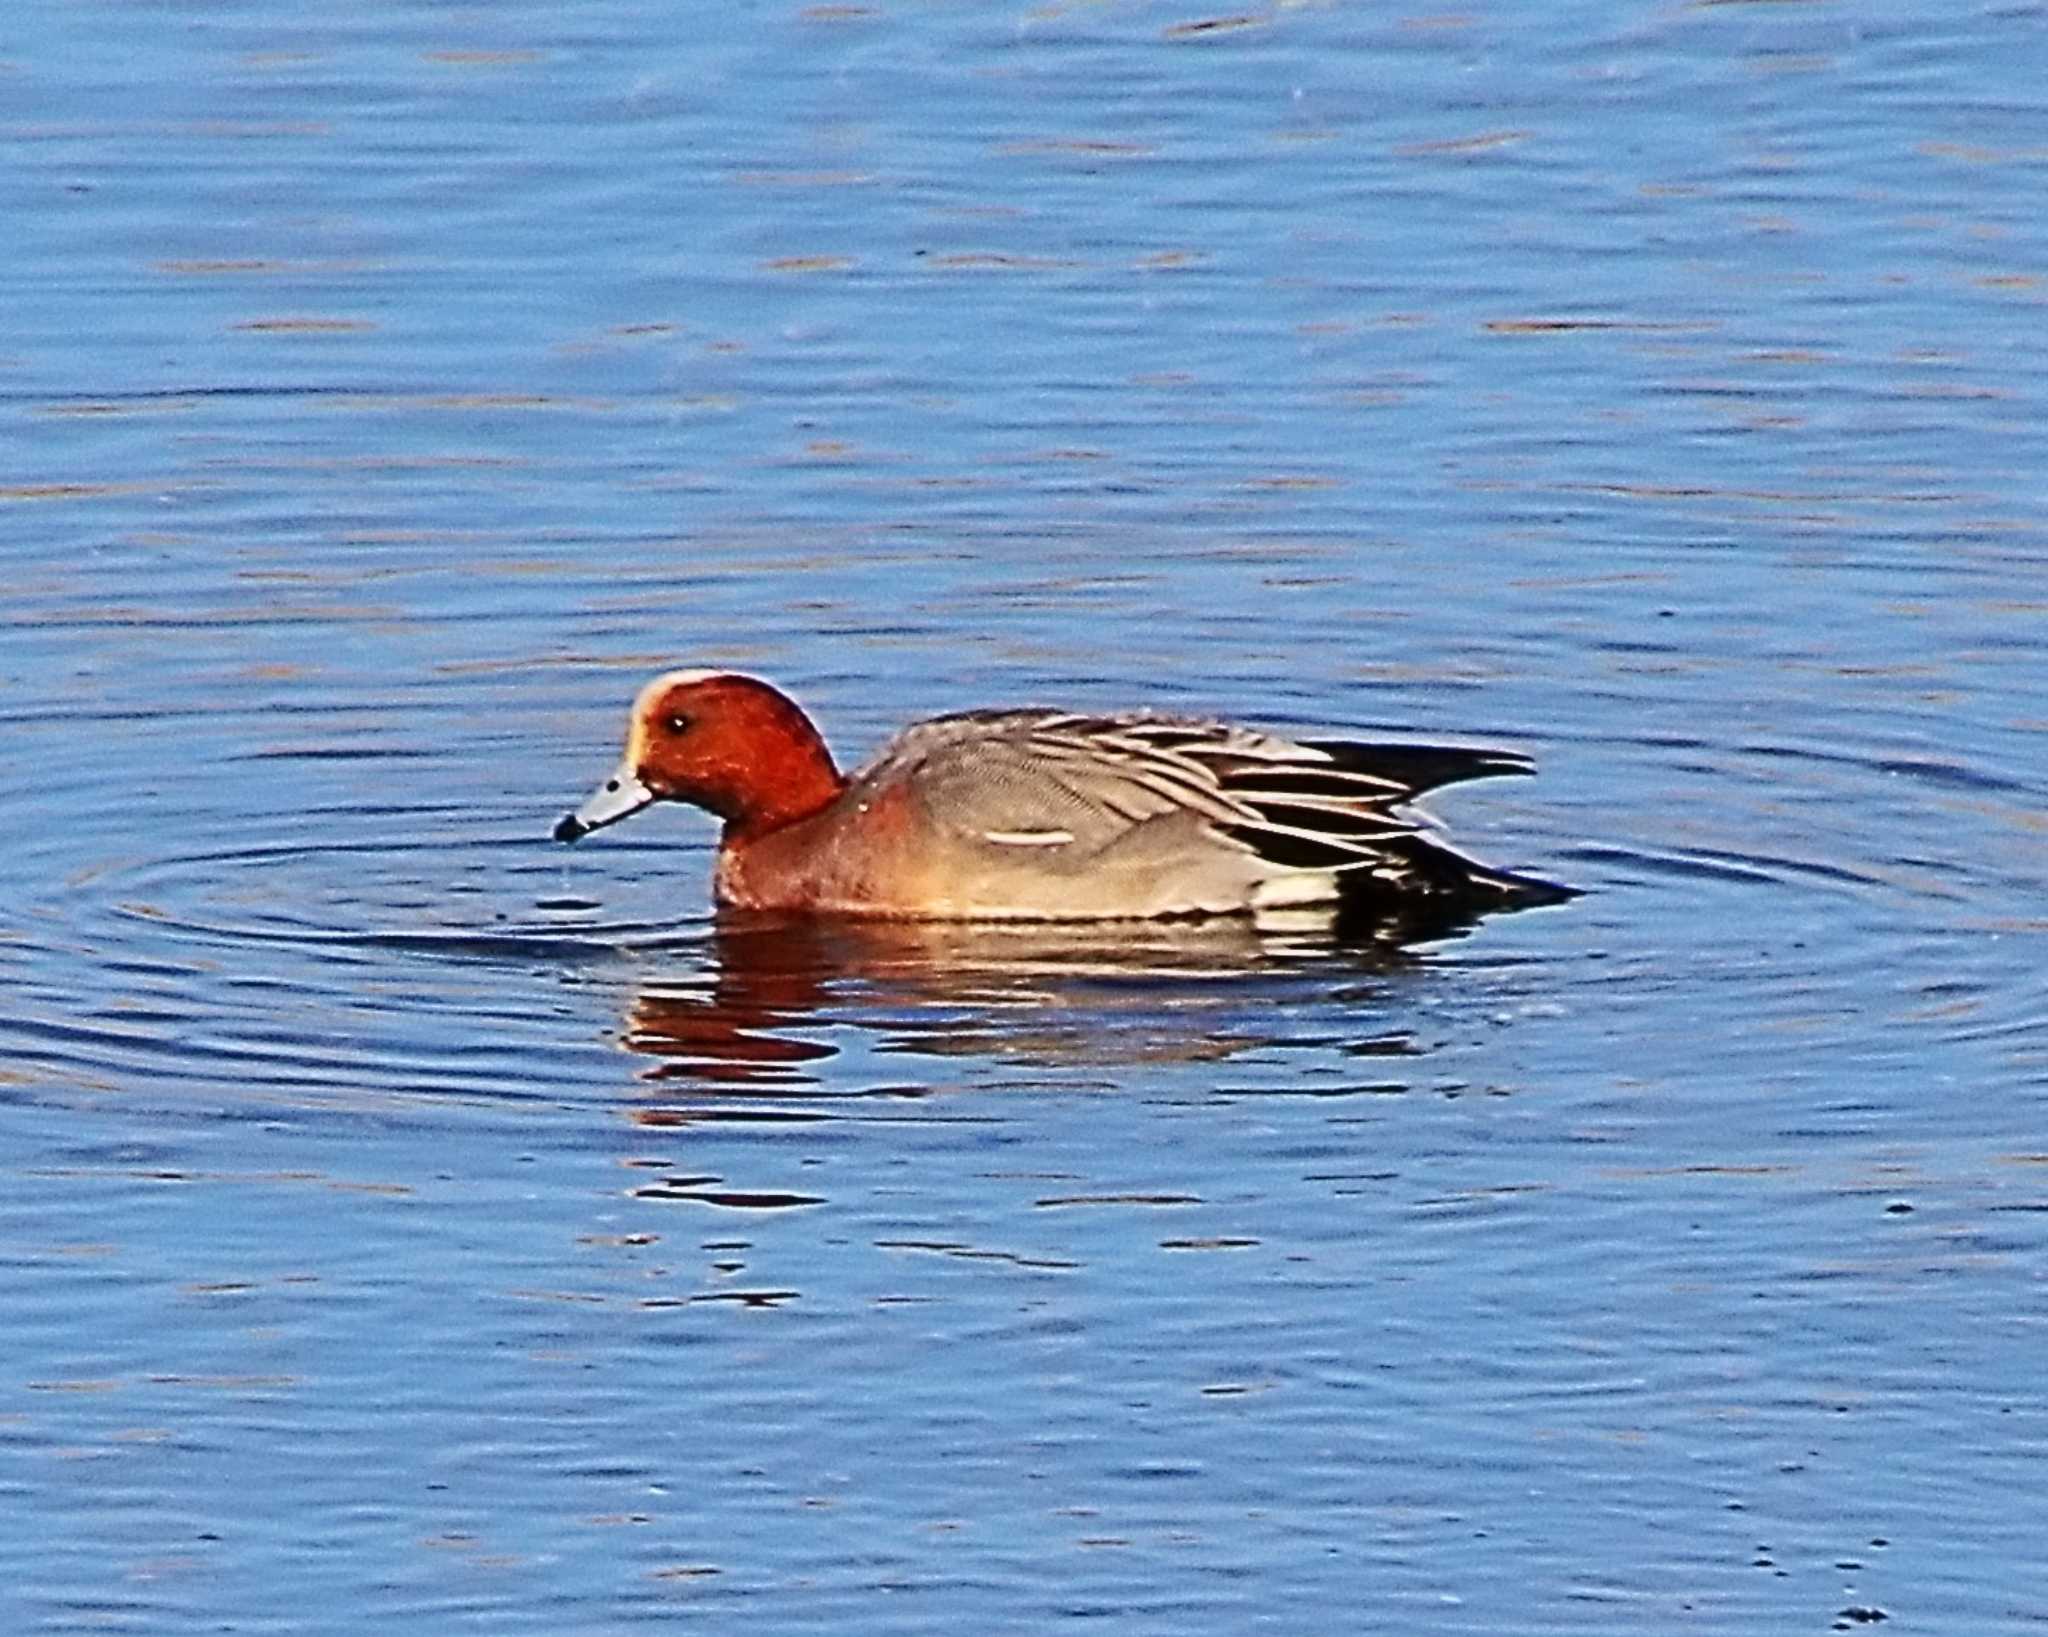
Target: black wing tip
[1421,768]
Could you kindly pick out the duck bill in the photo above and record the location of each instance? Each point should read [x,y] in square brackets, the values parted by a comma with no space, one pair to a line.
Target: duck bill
[620,796]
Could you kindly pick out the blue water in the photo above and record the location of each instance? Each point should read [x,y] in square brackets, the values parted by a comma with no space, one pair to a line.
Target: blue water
[406,1223]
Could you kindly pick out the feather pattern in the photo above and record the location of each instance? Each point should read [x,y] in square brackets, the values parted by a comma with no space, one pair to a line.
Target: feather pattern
[1329,811]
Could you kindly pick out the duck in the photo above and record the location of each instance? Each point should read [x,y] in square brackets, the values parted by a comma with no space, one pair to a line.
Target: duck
[1045,814]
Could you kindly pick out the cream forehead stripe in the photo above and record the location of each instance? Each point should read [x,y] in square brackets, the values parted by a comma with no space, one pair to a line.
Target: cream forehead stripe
[643,704]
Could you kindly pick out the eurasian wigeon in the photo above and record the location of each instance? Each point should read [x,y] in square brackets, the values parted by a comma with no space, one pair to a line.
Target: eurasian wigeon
[1045,814]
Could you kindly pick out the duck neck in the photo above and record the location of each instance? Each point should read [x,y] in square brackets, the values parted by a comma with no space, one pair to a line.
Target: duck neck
[790,775]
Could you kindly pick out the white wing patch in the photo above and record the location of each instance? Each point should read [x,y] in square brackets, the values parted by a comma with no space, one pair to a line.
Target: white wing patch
[1028,838]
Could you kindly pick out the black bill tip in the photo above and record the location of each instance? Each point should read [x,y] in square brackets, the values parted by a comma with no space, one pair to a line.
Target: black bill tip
[571,828]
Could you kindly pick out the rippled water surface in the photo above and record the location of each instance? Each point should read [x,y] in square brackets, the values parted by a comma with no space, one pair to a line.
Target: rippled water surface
[408,1224]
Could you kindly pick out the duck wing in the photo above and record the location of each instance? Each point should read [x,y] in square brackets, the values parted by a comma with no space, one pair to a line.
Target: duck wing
[1066,778]
[1042,778]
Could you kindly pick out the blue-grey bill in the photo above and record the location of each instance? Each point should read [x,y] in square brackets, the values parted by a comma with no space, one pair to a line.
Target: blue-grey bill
[620,796]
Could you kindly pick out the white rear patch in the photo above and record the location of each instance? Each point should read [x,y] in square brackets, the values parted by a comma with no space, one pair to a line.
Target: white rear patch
[1297,887]
[1028,838]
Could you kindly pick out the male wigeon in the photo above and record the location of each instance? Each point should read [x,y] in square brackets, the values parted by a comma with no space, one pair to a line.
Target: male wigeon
[1045,814]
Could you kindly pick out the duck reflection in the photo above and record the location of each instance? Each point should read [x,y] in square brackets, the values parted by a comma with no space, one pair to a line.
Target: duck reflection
[758,1013]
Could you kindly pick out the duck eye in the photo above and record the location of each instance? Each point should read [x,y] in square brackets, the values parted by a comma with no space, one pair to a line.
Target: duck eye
[678,723]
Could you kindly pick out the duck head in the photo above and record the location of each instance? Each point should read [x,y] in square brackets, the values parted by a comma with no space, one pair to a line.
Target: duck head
[721,741]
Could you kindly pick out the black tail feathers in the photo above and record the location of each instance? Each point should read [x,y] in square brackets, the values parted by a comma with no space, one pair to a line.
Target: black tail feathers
[1417,864]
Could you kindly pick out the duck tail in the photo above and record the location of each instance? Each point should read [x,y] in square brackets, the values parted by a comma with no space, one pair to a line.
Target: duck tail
[1420,864]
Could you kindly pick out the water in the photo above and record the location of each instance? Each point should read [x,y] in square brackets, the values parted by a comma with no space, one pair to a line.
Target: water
[407,1222]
